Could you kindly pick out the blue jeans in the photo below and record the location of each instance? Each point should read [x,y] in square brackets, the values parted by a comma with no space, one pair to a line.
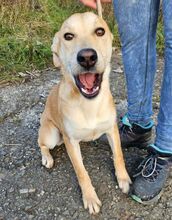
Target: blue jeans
[137,23]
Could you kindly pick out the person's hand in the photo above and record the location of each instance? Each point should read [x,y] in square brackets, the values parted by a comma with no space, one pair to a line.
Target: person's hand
[92,3]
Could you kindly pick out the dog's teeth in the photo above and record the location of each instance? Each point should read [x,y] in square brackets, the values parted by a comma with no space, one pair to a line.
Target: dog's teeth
[85,91]
[95,89]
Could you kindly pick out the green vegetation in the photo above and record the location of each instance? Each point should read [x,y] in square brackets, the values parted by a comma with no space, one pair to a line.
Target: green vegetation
[27,28]
[160,36]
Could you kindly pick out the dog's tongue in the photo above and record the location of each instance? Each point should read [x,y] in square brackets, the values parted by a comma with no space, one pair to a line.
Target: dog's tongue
[87,80]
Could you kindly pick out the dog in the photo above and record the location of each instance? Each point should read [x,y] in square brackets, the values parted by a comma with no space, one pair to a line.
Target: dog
[81,107]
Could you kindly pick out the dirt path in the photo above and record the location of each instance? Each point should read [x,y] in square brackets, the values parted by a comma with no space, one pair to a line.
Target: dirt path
[29,191]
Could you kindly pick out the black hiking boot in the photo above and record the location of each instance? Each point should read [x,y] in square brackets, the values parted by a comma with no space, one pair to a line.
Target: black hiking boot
[150,178]
[134,135]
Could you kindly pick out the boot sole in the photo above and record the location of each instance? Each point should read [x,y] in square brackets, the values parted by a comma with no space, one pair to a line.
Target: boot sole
[148,202]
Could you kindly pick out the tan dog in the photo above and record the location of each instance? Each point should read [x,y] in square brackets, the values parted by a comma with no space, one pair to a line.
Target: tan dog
[80,107]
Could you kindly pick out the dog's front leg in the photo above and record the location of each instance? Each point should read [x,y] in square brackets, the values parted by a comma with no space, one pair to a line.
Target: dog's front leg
[90,198]
[120,170]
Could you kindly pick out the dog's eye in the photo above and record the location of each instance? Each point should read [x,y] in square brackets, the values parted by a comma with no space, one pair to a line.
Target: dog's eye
[100,32]
[68,36]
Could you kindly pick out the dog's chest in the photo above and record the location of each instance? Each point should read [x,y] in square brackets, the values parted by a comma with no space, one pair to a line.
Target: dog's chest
[86,128]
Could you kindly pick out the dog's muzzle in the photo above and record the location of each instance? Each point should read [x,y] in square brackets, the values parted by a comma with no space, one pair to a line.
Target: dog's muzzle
[89,80]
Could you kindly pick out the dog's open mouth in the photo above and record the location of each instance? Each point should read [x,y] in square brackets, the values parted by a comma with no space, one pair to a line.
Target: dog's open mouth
[89,83]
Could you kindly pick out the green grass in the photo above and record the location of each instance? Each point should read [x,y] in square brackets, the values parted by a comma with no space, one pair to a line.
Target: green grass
[160,36]
[27,28]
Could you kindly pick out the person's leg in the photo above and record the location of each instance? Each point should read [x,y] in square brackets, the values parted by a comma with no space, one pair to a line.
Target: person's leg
[154,169]
[137,22]
[163,141]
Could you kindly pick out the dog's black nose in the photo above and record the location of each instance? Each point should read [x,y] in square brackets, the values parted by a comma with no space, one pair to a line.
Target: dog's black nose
[87,57]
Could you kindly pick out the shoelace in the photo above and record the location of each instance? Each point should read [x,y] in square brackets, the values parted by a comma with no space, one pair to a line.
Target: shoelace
[125,128]
[149,167]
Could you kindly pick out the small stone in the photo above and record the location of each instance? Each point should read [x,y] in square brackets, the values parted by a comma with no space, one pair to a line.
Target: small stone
[42,192]
[11,190]
[2,176]
[1,217]
[75,215]
[169,204]
[22,74]
[27,208]
[66,213]
[118,70]
[32,190]
[23,191]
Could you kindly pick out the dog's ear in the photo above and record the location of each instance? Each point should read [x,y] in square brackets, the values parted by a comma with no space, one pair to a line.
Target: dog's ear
[54,49]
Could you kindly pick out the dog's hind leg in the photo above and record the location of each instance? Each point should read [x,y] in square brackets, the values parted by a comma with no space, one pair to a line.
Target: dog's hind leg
[90,198]
[120,170]
[49,137]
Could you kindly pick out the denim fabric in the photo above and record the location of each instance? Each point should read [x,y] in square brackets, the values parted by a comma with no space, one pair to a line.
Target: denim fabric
[137,23]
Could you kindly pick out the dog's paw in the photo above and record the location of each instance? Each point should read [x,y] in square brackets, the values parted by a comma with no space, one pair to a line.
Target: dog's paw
[124,183]
[47,161]
[92,202]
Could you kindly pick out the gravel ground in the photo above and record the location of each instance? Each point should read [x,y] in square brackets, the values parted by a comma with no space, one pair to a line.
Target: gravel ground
[30,191]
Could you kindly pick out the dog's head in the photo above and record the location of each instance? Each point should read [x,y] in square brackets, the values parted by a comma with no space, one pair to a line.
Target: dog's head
[83,47]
